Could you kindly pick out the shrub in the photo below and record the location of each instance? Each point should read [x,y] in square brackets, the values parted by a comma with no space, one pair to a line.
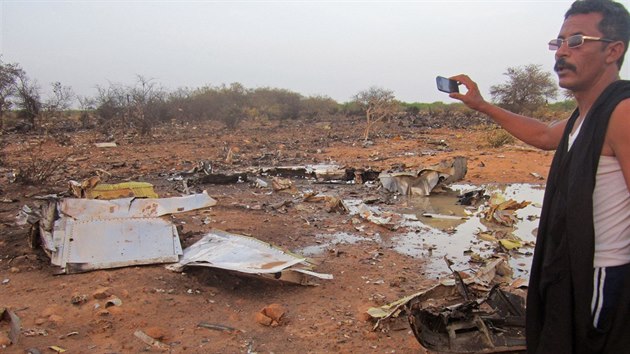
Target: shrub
[37,169]
[499,137]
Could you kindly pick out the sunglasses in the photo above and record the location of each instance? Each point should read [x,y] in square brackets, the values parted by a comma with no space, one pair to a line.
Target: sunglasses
[575,41]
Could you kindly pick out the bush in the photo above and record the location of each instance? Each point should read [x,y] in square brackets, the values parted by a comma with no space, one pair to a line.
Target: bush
[499,137]
[37,169]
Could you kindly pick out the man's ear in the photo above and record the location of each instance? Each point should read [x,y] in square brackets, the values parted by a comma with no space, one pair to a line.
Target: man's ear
[615,50]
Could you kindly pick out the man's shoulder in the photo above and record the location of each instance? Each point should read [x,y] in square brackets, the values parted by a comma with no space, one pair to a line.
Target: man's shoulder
[621,111]
[623,105]
[621,93]
[620,119]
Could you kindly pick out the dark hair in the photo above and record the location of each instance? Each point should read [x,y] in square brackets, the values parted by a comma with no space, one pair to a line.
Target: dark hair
[615,23]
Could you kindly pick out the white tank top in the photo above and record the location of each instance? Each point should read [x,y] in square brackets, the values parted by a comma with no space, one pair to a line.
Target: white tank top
[611,214]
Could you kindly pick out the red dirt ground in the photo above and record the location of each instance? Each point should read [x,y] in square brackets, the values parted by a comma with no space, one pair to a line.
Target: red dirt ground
[326,318]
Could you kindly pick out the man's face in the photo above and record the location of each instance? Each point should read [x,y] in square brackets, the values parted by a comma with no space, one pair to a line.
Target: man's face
[579,68]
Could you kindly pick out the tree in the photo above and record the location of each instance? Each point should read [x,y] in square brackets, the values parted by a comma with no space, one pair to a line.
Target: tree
[233,101]
[314,106]
[86,106]
[28,99]
[528,89]
[111,106]
[9,74]
[146,104]
[61,98]
[140,106]
[274,103]
[180,105]
[58,103]
[377,104]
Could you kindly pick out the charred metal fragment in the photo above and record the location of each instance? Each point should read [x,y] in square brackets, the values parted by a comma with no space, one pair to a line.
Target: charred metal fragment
[219,178]
[489,324]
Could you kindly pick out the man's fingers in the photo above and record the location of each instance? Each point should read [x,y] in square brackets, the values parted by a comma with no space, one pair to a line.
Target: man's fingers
[464,79]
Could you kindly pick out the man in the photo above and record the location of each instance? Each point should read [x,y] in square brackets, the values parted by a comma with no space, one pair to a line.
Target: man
[579,290]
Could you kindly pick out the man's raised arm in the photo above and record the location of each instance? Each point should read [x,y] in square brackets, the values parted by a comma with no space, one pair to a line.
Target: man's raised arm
[529,130]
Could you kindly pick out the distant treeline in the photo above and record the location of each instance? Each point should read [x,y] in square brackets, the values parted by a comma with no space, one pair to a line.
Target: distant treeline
[145,104]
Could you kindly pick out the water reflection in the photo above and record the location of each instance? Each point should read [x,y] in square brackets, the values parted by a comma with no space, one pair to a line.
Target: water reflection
[451,229]
[433,238]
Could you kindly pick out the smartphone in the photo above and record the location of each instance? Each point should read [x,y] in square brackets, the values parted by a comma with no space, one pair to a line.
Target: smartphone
[446,85]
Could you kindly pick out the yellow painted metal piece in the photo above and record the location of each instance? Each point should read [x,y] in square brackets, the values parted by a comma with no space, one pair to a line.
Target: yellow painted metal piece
[121,190]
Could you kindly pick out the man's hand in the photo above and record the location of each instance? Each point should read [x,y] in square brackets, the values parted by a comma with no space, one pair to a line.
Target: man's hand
[472,98]
[531,131]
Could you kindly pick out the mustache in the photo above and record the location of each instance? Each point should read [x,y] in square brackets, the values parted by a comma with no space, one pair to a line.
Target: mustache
[562,64]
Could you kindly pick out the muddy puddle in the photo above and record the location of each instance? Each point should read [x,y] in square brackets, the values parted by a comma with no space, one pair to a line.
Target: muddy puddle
[430,228]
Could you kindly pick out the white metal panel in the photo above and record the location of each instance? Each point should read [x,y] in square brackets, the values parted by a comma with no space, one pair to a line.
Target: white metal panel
[111,243]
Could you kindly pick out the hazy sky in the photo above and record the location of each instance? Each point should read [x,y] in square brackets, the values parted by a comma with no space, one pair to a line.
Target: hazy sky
[331,48]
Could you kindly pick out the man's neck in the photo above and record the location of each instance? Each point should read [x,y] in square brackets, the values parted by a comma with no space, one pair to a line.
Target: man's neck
[587,97]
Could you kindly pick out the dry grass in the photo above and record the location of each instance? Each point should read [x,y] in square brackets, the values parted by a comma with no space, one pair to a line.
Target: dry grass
[37,169]
[499,137]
